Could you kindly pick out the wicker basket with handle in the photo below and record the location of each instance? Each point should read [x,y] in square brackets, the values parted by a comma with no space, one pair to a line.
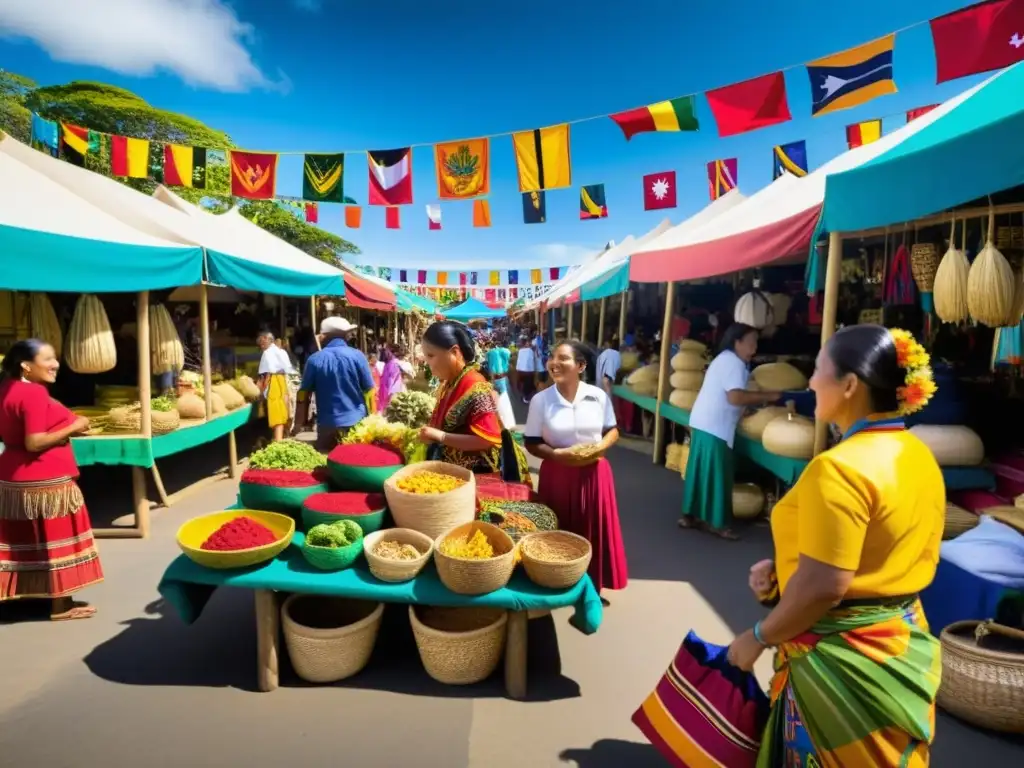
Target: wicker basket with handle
[924,261]
[459,646]
[431,513]
[476,577]
[983,685]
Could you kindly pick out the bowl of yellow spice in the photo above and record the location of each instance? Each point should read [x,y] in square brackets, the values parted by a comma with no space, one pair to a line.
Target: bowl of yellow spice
[474,558]
[431,497]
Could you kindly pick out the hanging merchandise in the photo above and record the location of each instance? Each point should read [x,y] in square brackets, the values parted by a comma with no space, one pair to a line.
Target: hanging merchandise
[924,261]
[463,169]
[89,346]
[899,283]
[951,281]
[754,308]
[43,321]
[990,289]
[166,350]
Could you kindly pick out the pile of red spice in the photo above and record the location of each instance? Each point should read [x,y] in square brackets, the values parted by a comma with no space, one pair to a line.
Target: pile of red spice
[366,455]
[282,478]
[345,503]
[240,533]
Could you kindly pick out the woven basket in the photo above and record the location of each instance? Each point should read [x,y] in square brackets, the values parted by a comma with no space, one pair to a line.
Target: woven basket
[128,419]
[332,558]
[459,646]
[983,686]
[476,577]
[329,638]
[561,573]
[395,571]
[432,513]
[924,262]
[1009,237]
[958,520]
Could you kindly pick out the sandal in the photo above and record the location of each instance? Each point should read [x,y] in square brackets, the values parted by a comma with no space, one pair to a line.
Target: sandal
[725,533]
[76,611]
[689,523]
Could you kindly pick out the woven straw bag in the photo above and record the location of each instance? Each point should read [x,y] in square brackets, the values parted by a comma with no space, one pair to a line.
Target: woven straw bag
[476,577]
[459,646]
[329,638]
[573,555]
[128,419]
[395,571]
[924,261]
[431,513]
[958,520]
[984,686]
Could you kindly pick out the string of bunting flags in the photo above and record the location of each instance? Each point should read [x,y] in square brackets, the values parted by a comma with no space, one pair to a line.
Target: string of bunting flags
[452,285]
[972,40]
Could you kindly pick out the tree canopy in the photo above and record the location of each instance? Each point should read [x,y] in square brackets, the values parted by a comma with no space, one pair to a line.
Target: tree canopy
[113,110]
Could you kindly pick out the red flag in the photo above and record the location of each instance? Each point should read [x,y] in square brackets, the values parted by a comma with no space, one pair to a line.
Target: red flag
[462,278]
[750,105]
[553,273]
[353,216]
[421,276]
[489,294]
[312,213]
[253,174]
[977,39]
[659,191]
[913,114]
[391,217]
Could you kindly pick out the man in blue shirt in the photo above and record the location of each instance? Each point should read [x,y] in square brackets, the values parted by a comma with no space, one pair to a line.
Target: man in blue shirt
[339,376]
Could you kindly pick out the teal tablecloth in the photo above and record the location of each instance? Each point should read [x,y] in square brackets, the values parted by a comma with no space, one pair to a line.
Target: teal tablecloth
[647,403]
[140,452]
[188,586]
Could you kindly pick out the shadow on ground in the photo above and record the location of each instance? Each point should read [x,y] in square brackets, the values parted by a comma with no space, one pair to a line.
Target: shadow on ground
[613,753]
[162,651]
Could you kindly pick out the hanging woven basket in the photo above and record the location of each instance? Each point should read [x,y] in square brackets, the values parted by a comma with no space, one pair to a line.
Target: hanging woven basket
[924,261]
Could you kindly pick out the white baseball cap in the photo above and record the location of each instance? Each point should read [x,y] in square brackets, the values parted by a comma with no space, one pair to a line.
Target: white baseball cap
[336,325]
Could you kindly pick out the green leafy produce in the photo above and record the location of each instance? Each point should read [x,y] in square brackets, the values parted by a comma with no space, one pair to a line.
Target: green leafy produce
[411,408]
[334,535]
[163,404]
[288,454]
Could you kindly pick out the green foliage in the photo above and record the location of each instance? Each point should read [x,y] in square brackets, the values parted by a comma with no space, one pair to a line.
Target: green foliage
[462,163]
[113,110]
[288,454]
[163,404]
[413,409]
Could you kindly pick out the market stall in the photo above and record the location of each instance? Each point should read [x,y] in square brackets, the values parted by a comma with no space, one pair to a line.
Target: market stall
[83,222]
[472,309]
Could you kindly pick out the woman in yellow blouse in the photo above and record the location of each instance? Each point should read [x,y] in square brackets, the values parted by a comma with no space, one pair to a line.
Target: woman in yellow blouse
[856,540]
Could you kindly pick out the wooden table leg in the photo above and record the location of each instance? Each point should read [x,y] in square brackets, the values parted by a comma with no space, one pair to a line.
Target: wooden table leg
[515,654]
[161,492]
[141,501]
[268,621]
[232,455]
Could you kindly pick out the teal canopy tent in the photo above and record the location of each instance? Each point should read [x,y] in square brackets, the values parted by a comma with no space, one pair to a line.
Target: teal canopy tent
[410,302]
[472,309]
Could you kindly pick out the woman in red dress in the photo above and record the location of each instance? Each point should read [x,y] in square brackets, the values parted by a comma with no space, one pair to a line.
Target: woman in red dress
[46,544]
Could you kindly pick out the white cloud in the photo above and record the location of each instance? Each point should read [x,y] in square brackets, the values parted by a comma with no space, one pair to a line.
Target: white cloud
[201,41]
[563,254]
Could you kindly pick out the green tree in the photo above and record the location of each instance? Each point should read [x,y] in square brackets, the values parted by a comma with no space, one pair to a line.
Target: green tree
[113,110]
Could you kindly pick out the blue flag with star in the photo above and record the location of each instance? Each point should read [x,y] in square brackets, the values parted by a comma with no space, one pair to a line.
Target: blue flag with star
[853,77]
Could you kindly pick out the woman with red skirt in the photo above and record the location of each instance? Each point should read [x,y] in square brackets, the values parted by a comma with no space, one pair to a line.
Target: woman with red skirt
[580,490]
[46,543]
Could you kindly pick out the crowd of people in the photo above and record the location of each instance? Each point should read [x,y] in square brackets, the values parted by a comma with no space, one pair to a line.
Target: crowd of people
[855,540]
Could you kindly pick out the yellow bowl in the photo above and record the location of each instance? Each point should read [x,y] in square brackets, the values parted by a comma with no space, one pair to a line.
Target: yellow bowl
[192,534]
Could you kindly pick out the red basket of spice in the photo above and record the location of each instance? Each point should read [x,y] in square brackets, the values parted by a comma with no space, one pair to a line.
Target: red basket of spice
[236,538]
[365,508]
[280,490]
[363,466]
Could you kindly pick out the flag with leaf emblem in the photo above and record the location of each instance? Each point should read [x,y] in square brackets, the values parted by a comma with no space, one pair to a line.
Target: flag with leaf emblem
[253,174]
[463,169]
[323,178]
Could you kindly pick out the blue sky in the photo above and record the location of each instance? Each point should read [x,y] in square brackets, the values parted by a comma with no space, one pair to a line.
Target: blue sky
[333,75]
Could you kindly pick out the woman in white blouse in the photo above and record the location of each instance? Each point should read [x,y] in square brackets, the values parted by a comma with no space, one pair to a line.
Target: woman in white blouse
[581,490]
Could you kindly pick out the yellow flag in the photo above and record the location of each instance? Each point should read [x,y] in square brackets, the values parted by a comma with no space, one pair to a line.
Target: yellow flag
[542,158]
[535,276]
[495,278]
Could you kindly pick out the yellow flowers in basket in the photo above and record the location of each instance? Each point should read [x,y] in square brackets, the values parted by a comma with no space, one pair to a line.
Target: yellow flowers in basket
[429,482]
[475,547]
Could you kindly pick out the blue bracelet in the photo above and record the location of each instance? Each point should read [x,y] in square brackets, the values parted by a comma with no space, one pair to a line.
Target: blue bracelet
[757,635]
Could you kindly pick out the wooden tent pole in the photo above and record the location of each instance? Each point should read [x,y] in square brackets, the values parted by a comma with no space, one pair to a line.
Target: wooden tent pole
[833,268]
[583,323]
[204,331]
[284,318]
[600,321]
[663,368]
[146,411]
[312,320]
[568,323]
[623,310]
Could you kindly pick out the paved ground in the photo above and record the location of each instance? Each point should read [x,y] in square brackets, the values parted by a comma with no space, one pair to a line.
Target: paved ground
[135,687]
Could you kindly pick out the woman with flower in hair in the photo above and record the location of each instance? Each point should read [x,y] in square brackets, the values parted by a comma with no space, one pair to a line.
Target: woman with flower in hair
[856,540]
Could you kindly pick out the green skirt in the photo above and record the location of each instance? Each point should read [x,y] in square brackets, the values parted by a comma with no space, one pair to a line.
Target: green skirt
[707,488]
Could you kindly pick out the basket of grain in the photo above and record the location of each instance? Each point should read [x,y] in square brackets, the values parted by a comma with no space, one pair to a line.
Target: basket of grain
[128,420]
[459,646]
[555,559]
[397,554]
[420,500]
[474,558]
[232,398]
[329,638]
[983,675]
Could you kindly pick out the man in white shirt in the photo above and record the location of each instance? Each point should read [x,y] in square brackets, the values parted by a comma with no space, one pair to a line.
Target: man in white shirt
[608,364]
[526,368]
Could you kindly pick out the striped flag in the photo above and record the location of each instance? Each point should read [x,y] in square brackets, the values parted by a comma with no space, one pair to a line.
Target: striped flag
[859,134]
[789,158]
[722,175]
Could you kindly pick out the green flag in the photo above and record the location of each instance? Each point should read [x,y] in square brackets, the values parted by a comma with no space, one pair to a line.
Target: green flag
[323,178]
